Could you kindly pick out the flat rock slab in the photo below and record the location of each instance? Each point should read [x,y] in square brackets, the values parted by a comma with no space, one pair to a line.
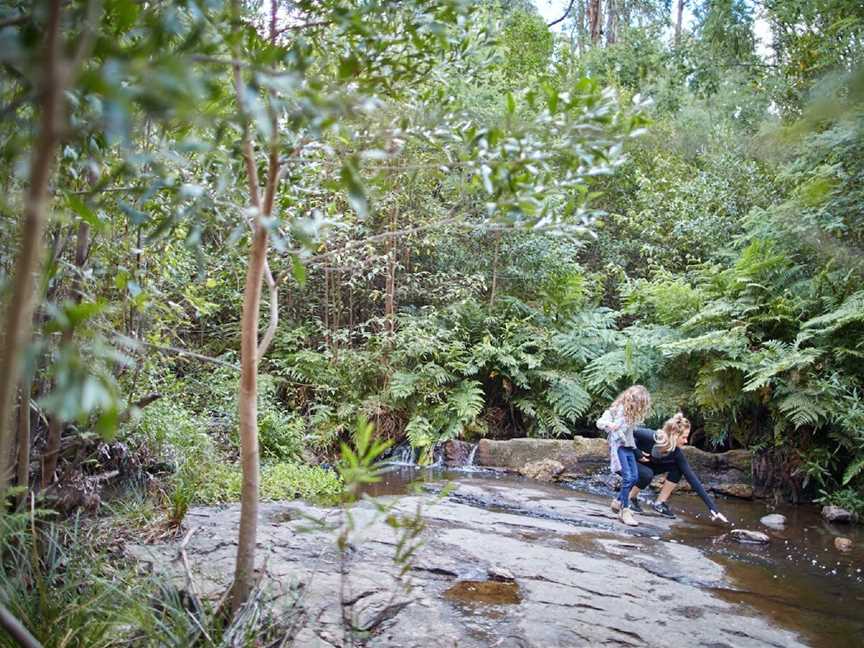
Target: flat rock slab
[564,573]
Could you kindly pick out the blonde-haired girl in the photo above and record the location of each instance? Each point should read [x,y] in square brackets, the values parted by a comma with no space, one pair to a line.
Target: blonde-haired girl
[625,413]
[661,453]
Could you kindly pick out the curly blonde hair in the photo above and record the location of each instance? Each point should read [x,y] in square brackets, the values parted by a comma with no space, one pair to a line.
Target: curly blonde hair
[666,438]
[635,401]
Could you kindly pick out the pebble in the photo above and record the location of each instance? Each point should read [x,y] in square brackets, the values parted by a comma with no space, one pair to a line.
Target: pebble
[500,574]
[843,544]
[774,521]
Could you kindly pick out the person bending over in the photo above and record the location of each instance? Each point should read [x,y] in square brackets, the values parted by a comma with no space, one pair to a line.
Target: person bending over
[661,453]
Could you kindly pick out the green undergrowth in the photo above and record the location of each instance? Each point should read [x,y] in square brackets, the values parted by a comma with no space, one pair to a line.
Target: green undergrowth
[68,591]
[193,429]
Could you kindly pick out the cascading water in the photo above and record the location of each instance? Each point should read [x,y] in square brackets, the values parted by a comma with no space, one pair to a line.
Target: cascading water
[470,461]
[402,455]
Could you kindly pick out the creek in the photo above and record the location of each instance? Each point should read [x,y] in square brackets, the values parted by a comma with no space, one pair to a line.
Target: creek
[799,580]
[506,561]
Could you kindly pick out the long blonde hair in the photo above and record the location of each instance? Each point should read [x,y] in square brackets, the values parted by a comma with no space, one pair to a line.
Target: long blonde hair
[666,438]
[635,401]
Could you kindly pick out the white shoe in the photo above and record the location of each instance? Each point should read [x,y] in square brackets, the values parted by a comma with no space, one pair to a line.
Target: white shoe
[626,516]
[616,505]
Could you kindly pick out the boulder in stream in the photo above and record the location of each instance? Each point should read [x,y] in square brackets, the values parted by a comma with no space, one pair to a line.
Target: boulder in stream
[745,536]
[836,514]
[545,470]
[774,521]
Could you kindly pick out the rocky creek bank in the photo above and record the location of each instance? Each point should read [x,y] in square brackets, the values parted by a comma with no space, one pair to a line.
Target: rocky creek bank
[501,563]
[726,473]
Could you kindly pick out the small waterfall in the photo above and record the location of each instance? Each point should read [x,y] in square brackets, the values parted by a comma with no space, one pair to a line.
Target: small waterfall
[402,455]
[470,461]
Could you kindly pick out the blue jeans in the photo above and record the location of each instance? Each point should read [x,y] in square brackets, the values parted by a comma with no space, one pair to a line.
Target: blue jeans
[629,474]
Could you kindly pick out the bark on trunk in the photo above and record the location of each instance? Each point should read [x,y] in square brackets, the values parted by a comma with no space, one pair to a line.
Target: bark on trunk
[390,291]
[594,21]
[23,476]
[678,19]
[495,269]
[244,571]
[611,22]
[19,313]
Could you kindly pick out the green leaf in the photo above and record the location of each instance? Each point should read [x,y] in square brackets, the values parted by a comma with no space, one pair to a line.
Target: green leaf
[87,215]
[511,104]
[298,270]
[352,182]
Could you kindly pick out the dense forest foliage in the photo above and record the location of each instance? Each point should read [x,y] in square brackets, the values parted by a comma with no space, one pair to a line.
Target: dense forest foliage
[445,218]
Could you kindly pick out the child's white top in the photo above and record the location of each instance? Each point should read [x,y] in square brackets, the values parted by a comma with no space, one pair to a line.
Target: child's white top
[620,433]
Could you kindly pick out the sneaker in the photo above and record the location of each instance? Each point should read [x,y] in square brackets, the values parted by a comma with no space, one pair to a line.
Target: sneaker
[626,516]
[663,509]
[616,505]
[635,506]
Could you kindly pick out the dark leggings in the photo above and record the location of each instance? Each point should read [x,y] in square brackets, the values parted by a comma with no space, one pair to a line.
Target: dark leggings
[675,465]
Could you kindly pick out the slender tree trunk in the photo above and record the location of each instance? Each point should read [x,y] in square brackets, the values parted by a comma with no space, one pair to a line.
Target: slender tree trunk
[56,424]
[19,313]
[23,476]
[678,20]
[495,269]
[244,571]
[580,27]
[390,291]
[595,21]
[611,22]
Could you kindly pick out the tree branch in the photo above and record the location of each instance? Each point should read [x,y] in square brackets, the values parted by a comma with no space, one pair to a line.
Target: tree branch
[566,13]
[16,630]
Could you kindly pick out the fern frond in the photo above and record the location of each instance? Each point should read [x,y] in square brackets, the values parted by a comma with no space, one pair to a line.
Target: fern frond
[801,408]
[588,335]
[731,342]
[775,358]
[466,401]
[403,384]
[419,431]
[568,398]
[853,469]
[849,312]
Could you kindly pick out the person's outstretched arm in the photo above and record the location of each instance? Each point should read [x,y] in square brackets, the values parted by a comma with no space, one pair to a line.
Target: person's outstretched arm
[687,471]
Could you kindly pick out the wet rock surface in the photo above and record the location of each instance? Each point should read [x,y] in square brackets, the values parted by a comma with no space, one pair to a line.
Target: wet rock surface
[502,563]
[546,470]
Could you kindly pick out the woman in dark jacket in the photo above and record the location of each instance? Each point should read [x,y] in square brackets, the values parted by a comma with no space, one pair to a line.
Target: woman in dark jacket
[661,452]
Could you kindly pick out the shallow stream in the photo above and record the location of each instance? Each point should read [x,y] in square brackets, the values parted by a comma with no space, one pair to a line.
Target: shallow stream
[800,580]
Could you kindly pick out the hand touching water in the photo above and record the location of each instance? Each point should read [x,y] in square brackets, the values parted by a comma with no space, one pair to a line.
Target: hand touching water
[717,516]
